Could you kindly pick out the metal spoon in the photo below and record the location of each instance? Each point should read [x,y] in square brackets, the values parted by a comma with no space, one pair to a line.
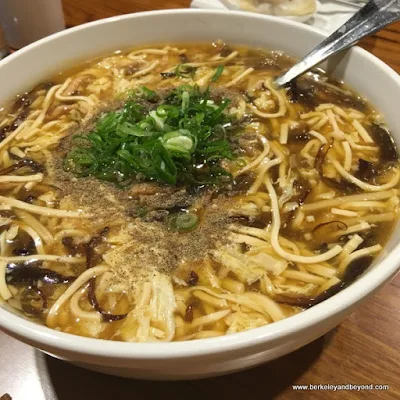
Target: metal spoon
[374,16]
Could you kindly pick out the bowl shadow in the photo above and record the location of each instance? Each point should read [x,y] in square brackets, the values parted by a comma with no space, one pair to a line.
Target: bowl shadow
[63,381]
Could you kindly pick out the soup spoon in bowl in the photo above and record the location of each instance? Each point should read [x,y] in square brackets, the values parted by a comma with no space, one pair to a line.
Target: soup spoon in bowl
[374,16]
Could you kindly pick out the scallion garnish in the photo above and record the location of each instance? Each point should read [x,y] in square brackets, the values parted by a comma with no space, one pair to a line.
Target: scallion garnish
[180,141]
[143,92]
[183,222]
[218,73]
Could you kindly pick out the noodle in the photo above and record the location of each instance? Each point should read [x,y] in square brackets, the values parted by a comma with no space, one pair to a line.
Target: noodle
[49,212]
[275,236]
[366,186]
[84,278]
[281,102]
[43,257]
[59,95]
[259,159]
[240,77]
[28,178]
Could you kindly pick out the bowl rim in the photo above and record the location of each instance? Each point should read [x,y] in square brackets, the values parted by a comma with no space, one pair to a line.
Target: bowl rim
[41,335]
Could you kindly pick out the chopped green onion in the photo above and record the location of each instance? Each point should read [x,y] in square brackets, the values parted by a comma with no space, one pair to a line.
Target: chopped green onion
[147,93]
[142,92]
[159,120]
[167,110]
[218,73]
[164,165]
[179,142]
[183,222]
[185,101]
[240,162]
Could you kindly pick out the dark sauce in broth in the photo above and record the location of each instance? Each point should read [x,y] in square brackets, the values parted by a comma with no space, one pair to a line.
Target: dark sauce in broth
[134,276]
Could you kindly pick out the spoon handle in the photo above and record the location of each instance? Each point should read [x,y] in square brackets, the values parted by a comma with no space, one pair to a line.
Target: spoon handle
[375,15]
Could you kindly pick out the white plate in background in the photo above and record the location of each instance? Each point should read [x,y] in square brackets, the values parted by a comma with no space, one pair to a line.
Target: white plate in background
[235,5]
[330,15]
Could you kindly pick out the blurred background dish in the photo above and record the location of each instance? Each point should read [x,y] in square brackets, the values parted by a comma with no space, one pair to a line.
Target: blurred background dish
[328,16]
[298,10]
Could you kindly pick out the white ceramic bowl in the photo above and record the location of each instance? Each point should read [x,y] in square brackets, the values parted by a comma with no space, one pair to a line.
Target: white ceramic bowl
[217,356]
